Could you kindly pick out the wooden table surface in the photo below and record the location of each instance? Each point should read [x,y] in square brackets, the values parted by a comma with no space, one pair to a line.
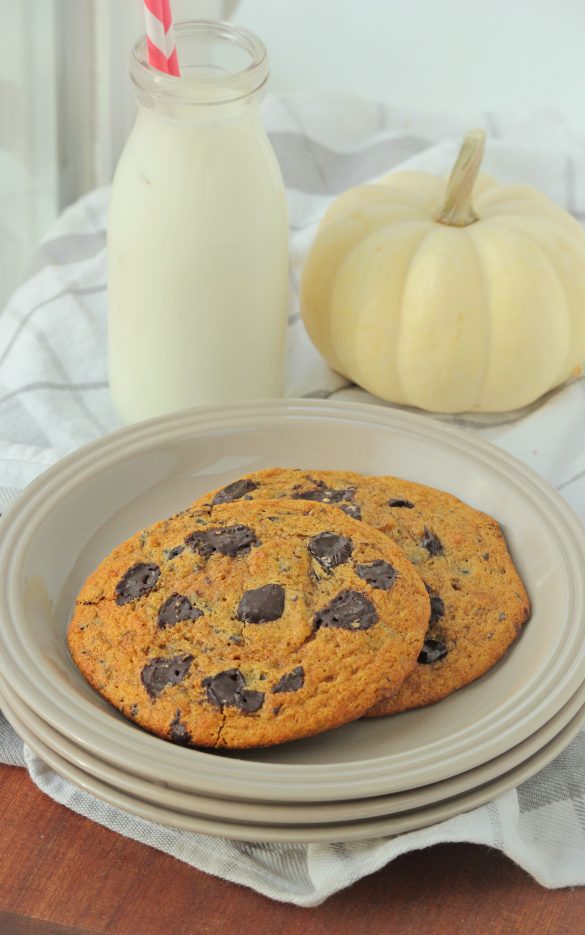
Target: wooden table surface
[61,874]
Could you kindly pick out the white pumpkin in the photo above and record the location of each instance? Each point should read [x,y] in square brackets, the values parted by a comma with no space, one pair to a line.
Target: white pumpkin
[423,299]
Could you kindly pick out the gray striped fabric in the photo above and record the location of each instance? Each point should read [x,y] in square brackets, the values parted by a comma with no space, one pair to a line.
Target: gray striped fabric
[54,398]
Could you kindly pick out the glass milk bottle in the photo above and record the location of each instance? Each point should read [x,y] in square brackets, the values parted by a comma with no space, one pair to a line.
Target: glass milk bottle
[197,233]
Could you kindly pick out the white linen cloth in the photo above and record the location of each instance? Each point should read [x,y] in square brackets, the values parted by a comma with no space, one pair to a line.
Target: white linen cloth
[54,398]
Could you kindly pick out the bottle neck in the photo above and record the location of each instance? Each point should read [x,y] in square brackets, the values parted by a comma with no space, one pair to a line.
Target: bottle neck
[224,72]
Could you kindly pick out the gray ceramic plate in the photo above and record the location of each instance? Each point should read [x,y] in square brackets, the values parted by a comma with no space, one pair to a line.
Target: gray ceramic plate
[275,813]
[336,831]
[68,519]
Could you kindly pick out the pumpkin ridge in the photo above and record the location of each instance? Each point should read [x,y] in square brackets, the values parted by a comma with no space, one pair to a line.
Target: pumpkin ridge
[486,305]
[533,374]
[398,354]
[435,338]
[348,369]
[488,293]
[547,261]
[322,334]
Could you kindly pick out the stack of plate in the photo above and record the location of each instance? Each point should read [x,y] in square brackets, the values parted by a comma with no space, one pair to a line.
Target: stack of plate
[367,779]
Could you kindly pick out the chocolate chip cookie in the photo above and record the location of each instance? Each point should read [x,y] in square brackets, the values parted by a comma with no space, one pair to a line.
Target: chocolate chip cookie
[478,602]
[250,623]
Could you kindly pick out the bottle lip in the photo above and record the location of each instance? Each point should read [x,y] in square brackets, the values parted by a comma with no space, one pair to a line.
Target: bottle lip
[225,87]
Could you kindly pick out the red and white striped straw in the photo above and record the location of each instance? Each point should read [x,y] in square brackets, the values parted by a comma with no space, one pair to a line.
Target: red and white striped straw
[160,36]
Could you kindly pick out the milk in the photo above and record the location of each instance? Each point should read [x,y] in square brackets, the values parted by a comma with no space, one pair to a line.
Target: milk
[198,262]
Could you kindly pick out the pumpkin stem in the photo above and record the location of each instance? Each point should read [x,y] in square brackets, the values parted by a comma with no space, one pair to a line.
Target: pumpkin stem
[457,209]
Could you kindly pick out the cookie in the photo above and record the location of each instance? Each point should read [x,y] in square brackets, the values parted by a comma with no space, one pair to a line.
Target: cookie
[249,623]
[478,602]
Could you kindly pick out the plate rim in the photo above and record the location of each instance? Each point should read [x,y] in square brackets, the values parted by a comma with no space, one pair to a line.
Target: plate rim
[63,746]
[330,833]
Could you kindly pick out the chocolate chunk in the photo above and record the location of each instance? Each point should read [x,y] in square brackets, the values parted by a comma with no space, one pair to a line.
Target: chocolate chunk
[223,687]
[437,604]
[229,540]
[437,608]
[172,553]
[159,673]
[401,503]
[228,689]
[261,604]
[432,651]
[250,701]
[291,682]
[323,494]
[352,509]
[138,580]
[176,607]
[234,491]
[431,543]
[350,610]
[330,550]
[378,574]
[178,733]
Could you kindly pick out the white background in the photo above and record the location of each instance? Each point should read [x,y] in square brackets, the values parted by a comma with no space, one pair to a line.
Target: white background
[511,57]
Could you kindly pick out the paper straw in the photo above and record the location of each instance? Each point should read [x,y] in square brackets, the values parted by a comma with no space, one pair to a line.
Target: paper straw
[160,36]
